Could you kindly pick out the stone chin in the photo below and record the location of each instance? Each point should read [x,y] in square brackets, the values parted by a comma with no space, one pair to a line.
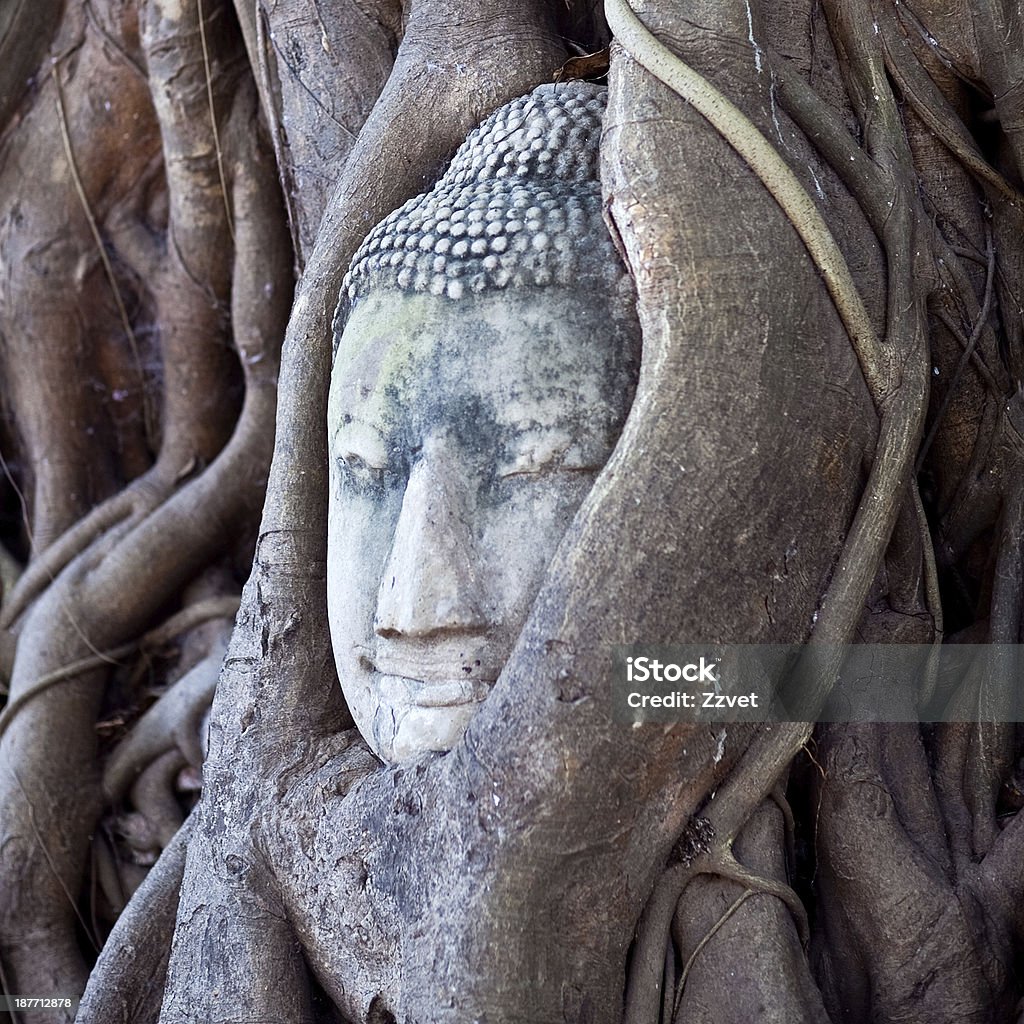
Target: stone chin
[415,731]
[412,717]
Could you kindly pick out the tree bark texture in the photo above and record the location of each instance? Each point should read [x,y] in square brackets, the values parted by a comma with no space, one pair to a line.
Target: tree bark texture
[182,186]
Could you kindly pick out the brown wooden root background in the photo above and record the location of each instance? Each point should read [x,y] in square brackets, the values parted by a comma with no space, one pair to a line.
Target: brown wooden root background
[181,188]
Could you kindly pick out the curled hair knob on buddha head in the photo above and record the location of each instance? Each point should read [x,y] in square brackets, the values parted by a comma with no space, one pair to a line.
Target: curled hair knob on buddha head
[520,205]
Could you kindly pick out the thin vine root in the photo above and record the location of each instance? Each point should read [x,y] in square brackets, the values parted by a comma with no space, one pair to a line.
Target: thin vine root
[646,974]
[762,157]
[709,935]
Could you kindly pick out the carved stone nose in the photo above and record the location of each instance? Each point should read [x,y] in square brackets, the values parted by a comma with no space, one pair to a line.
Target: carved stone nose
[429,584]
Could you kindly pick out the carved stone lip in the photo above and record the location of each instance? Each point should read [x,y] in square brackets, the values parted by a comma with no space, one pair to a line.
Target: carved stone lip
[436,659]
[432,693]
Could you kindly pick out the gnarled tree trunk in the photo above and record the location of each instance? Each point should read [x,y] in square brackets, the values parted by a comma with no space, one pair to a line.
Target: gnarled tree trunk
[820,207]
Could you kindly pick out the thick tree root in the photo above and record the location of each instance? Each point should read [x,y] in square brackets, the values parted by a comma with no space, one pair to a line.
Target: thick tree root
[153,795]
[896,373]
[921,945]
[93,606]
[132,504]
[126,985]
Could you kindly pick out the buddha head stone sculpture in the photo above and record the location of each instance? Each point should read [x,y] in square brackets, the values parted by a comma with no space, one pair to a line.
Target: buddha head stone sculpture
[487,351]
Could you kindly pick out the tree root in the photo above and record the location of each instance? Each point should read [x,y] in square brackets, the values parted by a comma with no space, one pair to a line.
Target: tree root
[935,111]
[688,966]
[10,571]
[643,991]
[106,875]
[133,503]
[765,161]
[95,603]
[126,985]
[173,721]
[904,931]
[981,322]
[115,289]
[168,541]
[153,795]
[888,369]
[186,619]
[896,373]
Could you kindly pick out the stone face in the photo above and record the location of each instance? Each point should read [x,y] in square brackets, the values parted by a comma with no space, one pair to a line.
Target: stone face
[468,422]
[461,447]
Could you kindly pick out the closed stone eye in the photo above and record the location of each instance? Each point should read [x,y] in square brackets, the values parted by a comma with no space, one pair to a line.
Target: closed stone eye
[361,470]
[564,460]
